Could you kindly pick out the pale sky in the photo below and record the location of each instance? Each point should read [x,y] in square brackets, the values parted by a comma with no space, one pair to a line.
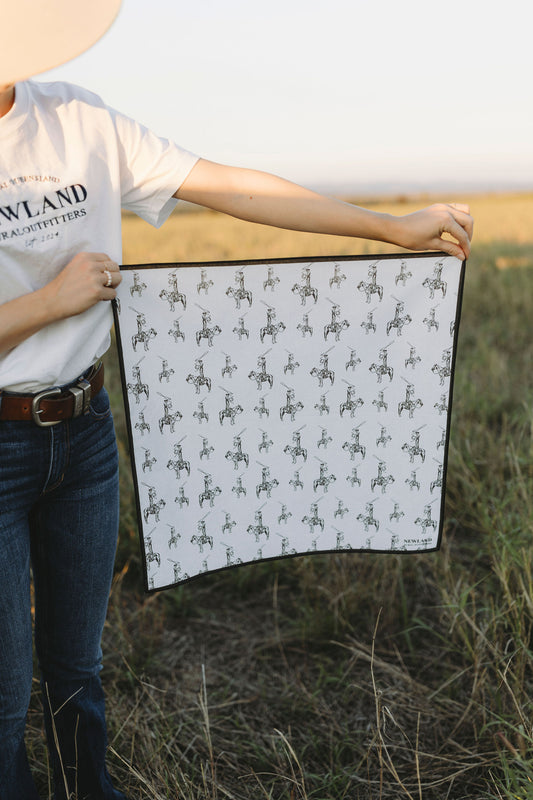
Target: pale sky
[336,93]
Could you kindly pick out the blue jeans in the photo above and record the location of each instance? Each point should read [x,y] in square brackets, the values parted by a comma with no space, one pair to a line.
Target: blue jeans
[59,514]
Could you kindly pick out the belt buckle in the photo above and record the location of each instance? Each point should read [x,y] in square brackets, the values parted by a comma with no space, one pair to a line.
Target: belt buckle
[35,410]
[82,397]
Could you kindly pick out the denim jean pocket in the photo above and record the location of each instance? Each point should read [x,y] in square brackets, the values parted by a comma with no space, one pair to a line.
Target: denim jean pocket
[99,407]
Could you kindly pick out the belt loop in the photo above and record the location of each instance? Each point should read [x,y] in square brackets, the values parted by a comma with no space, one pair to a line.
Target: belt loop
[82,397]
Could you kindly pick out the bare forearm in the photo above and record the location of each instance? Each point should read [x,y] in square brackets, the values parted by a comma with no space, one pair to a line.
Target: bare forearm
[261,197]
[22,317]
[19,319]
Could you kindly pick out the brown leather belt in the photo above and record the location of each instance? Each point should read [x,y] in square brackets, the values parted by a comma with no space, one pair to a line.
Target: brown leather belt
[53,405]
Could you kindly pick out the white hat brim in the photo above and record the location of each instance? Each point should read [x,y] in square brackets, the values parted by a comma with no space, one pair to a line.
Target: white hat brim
[37,35]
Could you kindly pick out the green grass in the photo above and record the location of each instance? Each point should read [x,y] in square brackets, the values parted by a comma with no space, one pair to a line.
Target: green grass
[351,676]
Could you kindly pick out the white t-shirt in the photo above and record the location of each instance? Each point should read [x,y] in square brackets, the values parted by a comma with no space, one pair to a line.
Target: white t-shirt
[68,164]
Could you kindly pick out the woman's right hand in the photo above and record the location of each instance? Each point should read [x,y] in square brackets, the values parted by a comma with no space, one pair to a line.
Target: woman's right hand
[86,280]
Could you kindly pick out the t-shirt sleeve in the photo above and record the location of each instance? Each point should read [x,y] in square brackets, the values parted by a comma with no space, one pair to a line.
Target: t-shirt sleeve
[151,169]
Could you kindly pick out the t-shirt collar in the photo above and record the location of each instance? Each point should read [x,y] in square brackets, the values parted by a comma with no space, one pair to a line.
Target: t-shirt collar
[17,114]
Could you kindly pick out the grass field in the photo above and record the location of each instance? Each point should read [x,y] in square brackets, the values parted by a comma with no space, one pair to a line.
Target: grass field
[351,676]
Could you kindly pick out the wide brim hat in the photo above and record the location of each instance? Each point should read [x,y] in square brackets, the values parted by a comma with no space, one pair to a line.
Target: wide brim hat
[37,35]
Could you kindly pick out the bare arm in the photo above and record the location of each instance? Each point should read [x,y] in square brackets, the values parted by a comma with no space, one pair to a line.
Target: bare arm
[261,197]
[80,285]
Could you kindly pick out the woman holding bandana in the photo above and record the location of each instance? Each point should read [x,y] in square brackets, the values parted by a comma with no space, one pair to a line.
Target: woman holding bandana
[68,166]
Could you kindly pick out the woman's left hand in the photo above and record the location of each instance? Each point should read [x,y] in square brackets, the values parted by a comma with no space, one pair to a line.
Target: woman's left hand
[423,230]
